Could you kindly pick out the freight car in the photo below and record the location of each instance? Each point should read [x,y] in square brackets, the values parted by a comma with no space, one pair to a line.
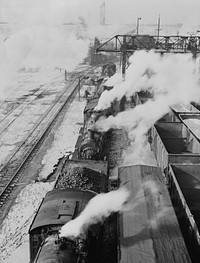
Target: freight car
[176,144]
[149,231]
[184,187]
[172,142]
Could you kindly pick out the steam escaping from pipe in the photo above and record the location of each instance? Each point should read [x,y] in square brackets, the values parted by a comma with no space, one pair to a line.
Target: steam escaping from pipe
[98,208]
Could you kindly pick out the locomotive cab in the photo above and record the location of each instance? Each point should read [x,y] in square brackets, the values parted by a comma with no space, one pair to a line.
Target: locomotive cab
[57,208]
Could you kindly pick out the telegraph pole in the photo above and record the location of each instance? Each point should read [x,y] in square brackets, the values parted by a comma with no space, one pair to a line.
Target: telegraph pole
[158,27]
[138,19]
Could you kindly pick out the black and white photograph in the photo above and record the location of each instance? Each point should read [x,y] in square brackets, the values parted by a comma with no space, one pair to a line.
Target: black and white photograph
[99,131]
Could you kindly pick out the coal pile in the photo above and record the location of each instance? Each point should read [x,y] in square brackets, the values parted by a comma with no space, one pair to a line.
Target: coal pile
[117,141]
[81,178]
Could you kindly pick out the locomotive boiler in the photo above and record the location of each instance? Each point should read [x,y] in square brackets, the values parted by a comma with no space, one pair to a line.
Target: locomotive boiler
[92,141]
[57,208]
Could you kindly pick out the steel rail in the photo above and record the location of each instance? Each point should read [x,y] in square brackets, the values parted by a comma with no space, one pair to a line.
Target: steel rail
[26,102]
[14,175]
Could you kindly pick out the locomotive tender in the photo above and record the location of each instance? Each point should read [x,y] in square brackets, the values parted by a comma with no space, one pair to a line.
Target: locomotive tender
[177,150]
[78,180]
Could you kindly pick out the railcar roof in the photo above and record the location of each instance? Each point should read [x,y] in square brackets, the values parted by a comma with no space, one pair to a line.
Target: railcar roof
[60,206]
[150,231]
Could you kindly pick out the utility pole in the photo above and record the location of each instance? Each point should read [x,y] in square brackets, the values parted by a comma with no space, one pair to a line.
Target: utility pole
[124,57]
[102,14]
[158,28]
[138,19]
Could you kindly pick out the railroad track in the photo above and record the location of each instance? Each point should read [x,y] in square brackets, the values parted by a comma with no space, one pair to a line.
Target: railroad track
[18,108]
[11,172]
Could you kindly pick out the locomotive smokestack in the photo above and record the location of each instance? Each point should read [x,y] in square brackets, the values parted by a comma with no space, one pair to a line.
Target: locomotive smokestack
[99,207]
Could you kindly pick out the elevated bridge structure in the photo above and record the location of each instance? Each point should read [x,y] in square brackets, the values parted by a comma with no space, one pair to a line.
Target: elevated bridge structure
[126,45]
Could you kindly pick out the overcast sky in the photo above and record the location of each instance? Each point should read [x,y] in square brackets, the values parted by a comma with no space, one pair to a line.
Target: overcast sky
[117,11]
[171,11]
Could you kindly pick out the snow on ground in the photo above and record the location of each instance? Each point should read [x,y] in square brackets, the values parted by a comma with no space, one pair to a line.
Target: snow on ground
[14,232]
[31,79]
[65,137]
[14,243]
[13,135]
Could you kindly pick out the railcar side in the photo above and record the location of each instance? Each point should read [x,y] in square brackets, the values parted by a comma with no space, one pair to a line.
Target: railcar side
[184,187]
[173,142]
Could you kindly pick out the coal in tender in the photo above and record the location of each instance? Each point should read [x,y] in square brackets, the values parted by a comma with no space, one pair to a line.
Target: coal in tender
[81,178]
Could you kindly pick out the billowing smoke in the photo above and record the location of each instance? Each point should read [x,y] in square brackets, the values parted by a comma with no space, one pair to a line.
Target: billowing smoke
[38,39]
[98,208]
[44,48]
[170,78]
[171,75]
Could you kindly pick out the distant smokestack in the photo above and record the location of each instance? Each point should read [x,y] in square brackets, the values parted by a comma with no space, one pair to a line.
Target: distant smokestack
[102,14]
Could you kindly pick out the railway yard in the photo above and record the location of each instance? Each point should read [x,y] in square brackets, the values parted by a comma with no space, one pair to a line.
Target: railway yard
[98,172]
[36,131]
[58,116]
[38,162]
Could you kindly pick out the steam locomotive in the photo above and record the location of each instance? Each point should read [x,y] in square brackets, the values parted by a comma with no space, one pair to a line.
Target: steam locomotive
[57,208]
[90,143]
[86,175]
[78,180]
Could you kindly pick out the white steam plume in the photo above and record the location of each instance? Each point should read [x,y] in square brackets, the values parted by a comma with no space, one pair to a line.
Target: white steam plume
[171,78]
[40,40]
[170,74]
[43,47]
[98,208]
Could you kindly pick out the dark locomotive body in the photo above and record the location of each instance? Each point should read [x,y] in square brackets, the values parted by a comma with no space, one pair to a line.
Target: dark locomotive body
[173,143]
[77,181]
[91,140]
[57,208]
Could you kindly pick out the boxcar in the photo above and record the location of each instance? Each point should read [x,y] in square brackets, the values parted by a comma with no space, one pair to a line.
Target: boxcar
[148,231]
